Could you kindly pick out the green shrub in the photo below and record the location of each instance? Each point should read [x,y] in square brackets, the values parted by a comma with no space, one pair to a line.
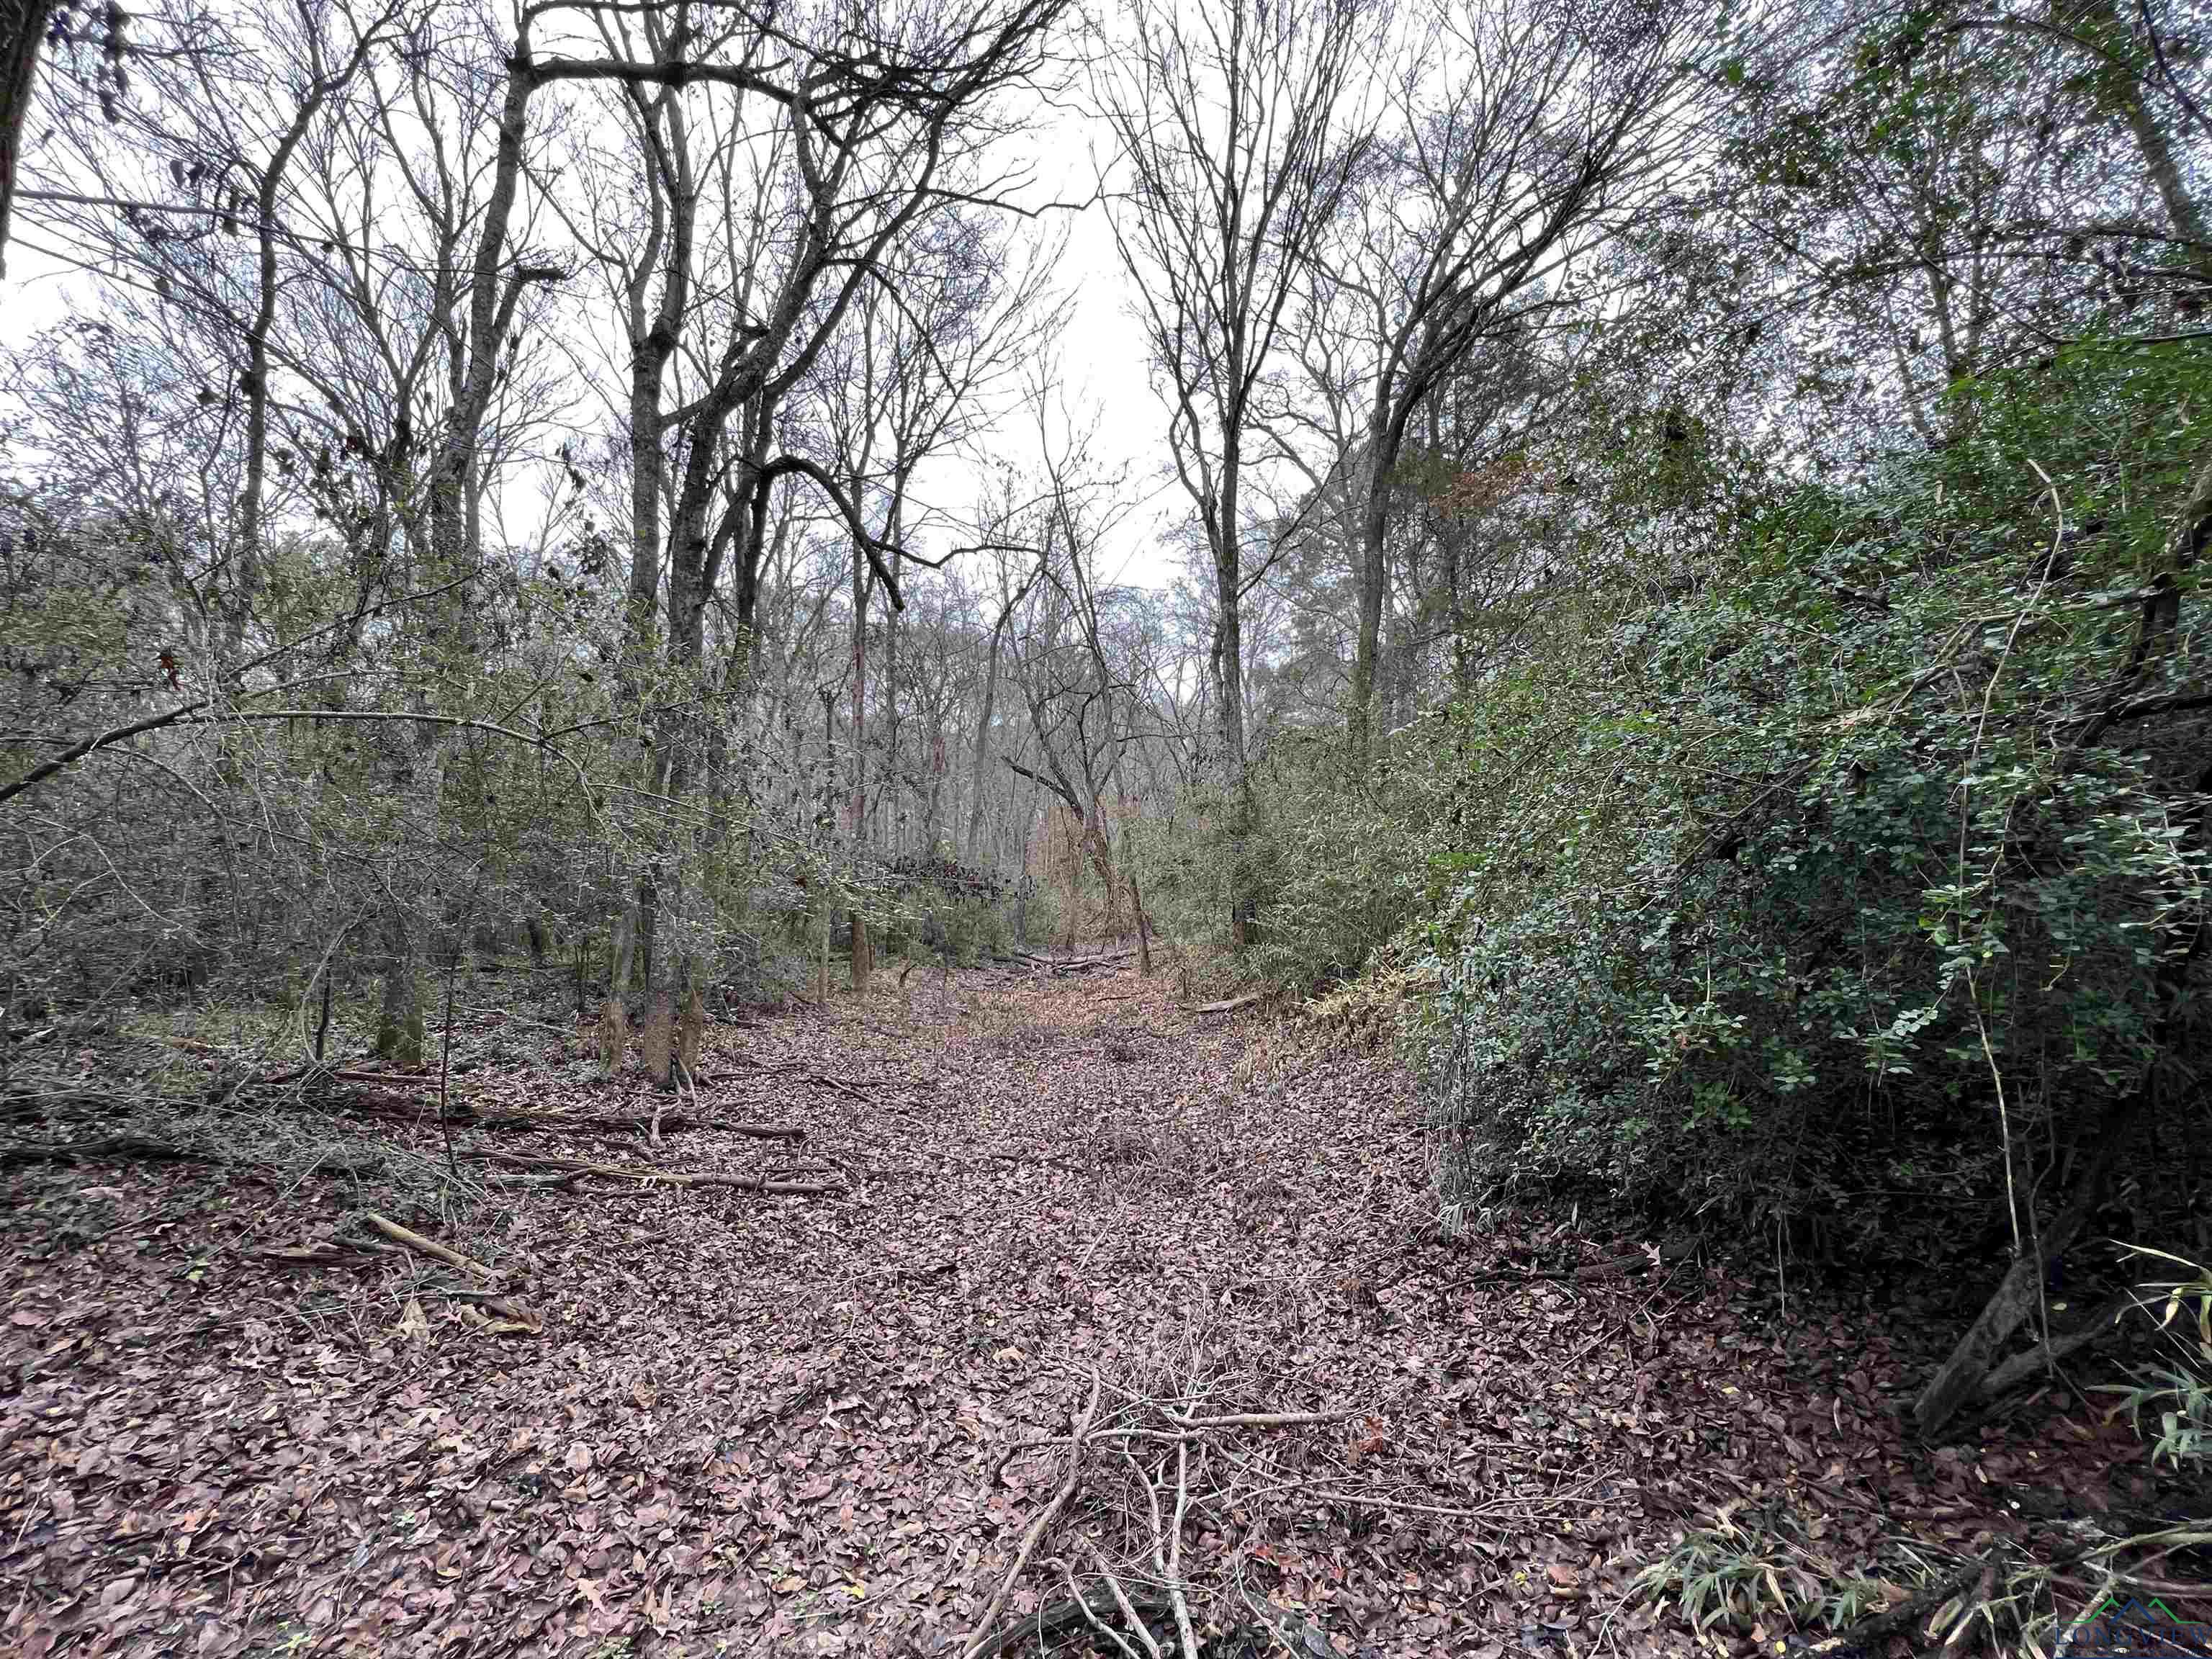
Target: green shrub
[1800,886]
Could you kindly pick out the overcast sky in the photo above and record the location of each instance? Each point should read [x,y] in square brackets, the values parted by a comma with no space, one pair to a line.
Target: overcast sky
[1101,356]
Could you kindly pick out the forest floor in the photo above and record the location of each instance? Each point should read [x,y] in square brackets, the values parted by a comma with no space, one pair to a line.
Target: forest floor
[702,1420]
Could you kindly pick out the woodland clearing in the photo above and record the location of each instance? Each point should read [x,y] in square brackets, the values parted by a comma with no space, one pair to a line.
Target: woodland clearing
[684,1417]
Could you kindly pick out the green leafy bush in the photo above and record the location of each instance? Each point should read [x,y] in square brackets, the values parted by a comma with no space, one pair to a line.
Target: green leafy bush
[1807,885]
[2176,1392]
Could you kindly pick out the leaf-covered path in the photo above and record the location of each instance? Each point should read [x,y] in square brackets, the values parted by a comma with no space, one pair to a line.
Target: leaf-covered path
[789,1424]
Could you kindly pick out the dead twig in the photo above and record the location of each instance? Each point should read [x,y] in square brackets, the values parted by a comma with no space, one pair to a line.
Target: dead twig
[429,1247]
[980,1642]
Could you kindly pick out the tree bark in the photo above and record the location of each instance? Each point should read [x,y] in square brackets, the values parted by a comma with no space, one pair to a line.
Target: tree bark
[400,1037]
[1374,526]
[22,32]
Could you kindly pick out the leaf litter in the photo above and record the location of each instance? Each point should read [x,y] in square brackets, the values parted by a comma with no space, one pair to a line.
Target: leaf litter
[696,1414]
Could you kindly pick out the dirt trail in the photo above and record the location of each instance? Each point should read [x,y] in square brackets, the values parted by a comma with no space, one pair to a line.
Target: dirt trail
[782,1424]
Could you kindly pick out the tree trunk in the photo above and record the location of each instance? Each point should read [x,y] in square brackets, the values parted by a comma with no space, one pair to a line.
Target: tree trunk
[400,1037]
[621,955]
[659,1048]
[856,806]
[2182,209]
[1228,679]
[653,342]
[22,32]
[494,289]
[691,1023]
[971,849]
[1367,652]
[864,952]
[886,801]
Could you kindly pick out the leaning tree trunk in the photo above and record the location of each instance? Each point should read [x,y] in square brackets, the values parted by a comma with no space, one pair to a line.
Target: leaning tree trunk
[22,31]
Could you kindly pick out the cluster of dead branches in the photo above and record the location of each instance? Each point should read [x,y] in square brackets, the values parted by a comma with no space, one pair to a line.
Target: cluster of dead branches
[1150,1460]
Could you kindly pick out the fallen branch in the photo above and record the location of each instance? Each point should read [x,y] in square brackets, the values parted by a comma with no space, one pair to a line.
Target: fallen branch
[1060,1159]
[1868,1631]
[429,1247]
[1121,1601]
[1228,1007]
[980,1642]
[1175,1546]
[114,1147]
[648,1175]
[670,1123]
[327,1254]
[797,1069]
[1048,1624]
[1084,964]
[1075,964]
[1159,1555]
[2021,1366]
[516,1318]
[563,1181]
[1254,1420]
[1076,1601]
[582,1122]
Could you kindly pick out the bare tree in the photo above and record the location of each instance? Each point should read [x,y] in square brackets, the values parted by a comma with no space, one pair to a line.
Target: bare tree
[1519,140]
[926,362]
[1227,130]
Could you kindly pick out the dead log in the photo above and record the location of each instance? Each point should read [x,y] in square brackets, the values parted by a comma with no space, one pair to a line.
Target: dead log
[327,1254]
[670,1123]
[1075,964]
[1879,1628]
[2021,1366]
